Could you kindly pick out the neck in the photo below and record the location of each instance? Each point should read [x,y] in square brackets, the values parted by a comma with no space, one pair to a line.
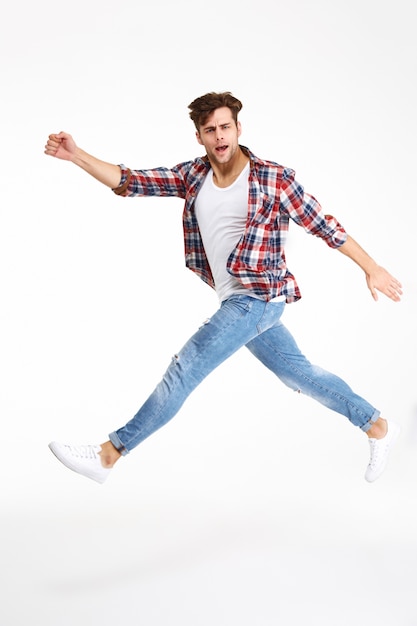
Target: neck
[225,173]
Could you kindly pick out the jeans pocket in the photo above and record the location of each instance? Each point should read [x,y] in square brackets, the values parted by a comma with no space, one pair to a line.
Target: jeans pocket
[237,306]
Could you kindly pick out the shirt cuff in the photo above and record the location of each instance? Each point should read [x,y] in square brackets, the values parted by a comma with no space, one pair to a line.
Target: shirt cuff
[126,175]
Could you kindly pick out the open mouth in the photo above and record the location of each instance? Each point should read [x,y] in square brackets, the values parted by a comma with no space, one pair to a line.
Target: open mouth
[221,149]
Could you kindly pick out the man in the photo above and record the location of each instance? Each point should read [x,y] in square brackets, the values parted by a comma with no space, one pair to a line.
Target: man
[236,216]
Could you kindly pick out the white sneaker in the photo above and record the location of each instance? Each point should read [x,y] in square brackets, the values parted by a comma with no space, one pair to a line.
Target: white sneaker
[83,459]
[380,449]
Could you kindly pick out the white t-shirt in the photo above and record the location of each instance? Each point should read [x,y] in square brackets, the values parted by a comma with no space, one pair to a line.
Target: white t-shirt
[221,214]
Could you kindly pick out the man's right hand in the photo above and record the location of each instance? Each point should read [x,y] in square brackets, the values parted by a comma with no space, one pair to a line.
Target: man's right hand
[61,146]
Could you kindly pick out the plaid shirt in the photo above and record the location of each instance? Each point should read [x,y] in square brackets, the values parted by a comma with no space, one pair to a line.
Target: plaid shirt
[258,261]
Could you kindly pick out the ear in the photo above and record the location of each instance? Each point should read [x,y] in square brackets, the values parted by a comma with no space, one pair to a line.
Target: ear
[239,129]
[197,134]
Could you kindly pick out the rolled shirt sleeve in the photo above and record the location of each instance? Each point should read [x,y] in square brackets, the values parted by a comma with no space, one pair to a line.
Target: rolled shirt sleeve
[125,176]
[306,211]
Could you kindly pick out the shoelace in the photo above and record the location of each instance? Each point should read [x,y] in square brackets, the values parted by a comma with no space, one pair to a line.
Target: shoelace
[83,452]
[378,447]
[374,451]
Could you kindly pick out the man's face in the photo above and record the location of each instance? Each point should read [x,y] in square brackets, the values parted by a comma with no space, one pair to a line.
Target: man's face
[219,135]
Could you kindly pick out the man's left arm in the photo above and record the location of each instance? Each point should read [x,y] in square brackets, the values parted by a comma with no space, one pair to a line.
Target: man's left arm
[377,278]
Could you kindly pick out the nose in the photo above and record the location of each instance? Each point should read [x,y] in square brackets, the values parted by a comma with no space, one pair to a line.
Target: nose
[219,133]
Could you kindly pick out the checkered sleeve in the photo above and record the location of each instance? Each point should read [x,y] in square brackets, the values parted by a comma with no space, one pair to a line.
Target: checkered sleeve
[306,211]
[160,181]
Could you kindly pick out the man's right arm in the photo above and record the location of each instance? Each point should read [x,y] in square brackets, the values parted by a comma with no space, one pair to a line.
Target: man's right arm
[62,146]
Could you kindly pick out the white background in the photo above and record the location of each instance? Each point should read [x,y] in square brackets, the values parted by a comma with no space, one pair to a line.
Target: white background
[250,507]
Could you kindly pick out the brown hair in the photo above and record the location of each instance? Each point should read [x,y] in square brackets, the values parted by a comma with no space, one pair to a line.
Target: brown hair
[203,107]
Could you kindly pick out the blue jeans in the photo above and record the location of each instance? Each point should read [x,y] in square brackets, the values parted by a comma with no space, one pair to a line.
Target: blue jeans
[241,321]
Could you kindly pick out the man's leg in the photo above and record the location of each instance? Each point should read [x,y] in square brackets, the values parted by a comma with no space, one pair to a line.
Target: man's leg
[237,321]
[233,325]
[277,350]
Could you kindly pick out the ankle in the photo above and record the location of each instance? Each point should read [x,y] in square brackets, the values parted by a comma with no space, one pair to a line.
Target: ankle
[109,454]
[378,429]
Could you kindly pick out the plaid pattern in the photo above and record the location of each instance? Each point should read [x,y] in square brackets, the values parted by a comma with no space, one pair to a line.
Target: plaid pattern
[275,197]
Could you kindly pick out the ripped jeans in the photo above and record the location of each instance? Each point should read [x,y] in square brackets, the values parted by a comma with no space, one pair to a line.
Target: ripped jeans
[241,321]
